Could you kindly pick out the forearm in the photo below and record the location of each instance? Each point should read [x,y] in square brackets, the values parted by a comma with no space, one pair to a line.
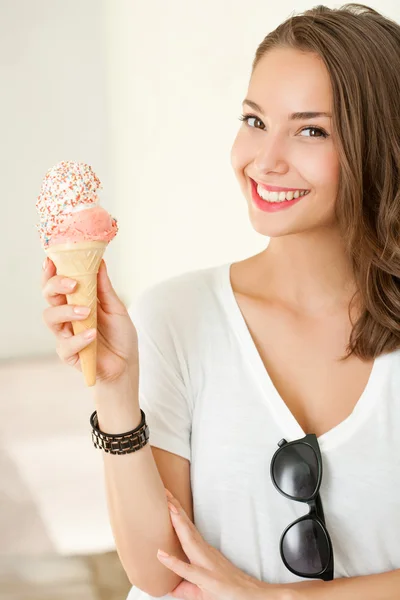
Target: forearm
[136,499]
[383,586]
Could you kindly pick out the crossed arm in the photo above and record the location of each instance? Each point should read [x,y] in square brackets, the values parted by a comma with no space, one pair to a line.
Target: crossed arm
[210,576]
[384,586]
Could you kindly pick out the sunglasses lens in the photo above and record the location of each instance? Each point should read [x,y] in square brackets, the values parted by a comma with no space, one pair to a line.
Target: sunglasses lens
[305,547]
[295,471]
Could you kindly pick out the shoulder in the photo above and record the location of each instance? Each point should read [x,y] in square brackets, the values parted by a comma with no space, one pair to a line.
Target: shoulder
[177,295]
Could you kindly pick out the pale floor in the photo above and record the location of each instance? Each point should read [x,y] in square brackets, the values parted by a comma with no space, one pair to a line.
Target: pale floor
[91,577]
[56,542]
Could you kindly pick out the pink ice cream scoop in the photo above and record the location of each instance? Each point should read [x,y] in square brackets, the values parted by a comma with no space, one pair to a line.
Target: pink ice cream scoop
[90,224]
[69,209]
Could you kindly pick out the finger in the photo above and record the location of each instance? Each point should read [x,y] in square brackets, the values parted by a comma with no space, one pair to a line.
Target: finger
[68,349]
[56,288]
[196,547]
[48,270]
[190,572]
[186,591]
[193,544]
[56,317]
[178,506]
[66,330]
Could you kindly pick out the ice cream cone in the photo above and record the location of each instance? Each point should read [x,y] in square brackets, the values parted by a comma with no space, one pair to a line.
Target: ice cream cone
[81,261]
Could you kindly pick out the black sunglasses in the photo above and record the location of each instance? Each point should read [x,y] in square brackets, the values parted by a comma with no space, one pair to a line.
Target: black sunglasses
[296,472]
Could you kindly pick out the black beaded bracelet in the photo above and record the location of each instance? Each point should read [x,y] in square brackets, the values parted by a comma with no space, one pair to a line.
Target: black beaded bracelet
[120,443]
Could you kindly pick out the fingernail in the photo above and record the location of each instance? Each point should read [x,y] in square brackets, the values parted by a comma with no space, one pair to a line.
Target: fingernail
[81,310]
[90,333]
[44,267]
[162,553]
[68,283]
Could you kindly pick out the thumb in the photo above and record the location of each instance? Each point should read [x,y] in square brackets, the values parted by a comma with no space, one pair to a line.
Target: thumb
[106,294]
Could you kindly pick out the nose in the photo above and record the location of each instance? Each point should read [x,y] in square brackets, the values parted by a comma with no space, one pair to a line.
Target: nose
[271,155]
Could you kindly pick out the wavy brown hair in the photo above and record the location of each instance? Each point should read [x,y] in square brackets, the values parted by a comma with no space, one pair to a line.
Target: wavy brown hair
[361,51]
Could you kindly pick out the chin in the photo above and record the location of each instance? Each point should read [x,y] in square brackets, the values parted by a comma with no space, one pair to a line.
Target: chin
[266,226]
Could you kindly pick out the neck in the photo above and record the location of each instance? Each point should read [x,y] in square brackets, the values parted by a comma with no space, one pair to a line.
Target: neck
[309,272]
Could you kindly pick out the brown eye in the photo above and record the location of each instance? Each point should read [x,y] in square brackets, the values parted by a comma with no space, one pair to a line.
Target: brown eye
[320,131]
[246,119]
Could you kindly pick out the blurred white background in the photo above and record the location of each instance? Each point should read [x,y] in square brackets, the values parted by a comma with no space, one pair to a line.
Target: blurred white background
[149,93]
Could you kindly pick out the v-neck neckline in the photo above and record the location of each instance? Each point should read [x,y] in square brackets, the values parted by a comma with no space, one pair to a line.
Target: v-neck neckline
[290,426]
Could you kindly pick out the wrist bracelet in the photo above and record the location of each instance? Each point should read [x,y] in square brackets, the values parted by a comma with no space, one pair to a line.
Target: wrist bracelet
[120,443]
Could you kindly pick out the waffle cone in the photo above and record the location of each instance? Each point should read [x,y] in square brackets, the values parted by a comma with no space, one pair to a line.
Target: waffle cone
[81,261]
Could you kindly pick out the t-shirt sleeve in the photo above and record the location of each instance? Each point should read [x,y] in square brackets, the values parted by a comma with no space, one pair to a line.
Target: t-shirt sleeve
[163,394]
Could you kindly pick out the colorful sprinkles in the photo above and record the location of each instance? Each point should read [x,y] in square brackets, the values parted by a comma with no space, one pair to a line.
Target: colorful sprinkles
[65,187]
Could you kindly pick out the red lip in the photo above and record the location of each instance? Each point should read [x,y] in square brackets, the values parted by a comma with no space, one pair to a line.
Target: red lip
[270,207]
[274,188]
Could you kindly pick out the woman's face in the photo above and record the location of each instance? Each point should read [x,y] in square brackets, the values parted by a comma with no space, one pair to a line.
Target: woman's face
[272,149]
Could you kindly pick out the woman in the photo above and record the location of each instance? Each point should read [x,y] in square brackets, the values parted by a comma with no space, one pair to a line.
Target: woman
[300,339]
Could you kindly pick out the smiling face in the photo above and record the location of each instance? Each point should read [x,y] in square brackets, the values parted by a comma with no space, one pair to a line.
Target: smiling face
[273,149]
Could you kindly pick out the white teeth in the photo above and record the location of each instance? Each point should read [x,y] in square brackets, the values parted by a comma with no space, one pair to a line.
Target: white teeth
[279,196]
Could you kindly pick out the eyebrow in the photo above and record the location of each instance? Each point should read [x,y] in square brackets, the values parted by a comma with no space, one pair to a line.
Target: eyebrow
[297,116]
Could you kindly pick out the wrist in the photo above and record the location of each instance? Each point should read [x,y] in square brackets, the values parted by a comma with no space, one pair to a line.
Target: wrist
[130,371]
[117,404]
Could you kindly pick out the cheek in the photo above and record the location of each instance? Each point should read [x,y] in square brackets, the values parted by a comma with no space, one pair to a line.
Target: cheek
[323,174]
[240,153]
[321,169]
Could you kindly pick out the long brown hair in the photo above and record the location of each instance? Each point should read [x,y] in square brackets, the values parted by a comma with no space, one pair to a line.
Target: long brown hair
[361,51]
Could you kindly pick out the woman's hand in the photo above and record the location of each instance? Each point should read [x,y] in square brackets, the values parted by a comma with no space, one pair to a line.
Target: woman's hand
[117,343]
[209,576]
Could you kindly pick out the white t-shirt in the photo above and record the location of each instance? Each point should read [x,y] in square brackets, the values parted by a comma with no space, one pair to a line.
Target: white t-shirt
[208,397]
